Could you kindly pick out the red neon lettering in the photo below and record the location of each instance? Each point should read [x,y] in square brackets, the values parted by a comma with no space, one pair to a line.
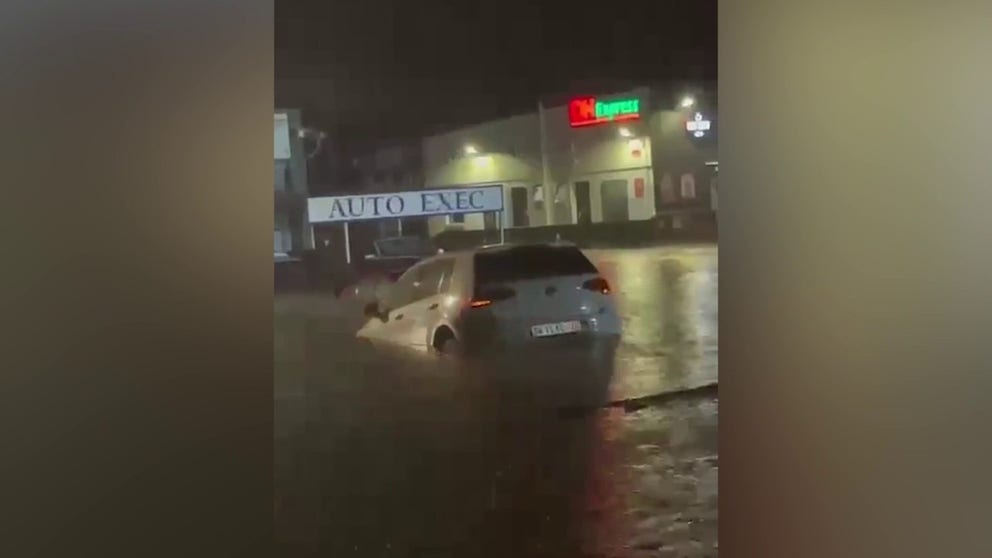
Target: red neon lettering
[581,110]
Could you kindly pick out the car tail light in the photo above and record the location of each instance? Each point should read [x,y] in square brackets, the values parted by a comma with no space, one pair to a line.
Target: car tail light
[486,297]
[598,284]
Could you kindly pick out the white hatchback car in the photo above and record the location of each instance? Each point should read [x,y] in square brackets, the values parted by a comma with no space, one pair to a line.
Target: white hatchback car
[495,296]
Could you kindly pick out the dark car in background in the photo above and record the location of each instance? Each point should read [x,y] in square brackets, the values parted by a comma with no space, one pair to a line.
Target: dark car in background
[390,258]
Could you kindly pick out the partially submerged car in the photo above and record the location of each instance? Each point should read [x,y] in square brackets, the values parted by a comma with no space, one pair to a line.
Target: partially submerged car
[491,297]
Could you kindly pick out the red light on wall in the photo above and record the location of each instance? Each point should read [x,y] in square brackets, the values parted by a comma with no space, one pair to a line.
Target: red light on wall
[635,146]
[638,188]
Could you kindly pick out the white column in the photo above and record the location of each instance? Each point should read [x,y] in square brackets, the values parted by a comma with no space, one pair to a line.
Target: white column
[347,244]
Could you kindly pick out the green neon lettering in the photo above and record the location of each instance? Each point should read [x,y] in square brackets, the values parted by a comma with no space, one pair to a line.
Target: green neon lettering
[613,109]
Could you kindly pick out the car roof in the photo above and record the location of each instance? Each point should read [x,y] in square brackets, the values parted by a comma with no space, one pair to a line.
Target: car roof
[494,248]
[511,246]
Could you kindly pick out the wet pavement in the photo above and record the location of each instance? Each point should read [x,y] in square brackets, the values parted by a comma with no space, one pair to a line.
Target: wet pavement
[579,452]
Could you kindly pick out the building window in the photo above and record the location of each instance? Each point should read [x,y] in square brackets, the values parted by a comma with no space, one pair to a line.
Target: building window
[489,221]
[282,176]
[459,218]
[666,189]
[688,186]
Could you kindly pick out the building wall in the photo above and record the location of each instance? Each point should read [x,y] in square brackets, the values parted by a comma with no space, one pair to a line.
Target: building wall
[477,221]
[675,153]
[638,208]
[509,154]
[597,154]
[291,189]
[513,143]
[391,168]
[513,152]
[283,240]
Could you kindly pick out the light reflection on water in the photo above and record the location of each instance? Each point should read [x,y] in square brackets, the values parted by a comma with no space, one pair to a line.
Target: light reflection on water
[669,306]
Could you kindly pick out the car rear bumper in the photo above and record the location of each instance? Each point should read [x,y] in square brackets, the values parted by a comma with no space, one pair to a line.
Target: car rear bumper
[587,344]
[598,329]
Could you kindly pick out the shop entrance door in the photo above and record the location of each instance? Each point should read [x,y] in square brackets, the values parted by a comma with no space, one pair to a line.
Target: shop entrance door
[518,200]
[614,197]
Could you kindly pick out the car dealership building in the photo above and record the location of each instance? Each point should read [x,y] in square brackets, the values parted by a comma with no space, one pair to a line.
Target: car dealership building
[628,156]
[637,155]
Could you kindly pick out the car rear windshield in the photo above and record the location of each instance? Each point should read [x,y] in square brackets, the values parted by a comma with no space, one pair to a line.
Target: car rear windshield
[530,262]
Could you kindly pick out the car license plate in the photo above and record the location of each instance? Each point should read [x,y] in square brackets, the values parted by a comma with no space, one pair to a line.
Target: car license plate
[559,328]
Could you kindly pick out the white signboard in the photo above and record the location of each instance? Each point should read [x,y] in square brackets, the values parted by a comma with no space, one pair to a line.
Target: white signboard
[281,141]
[448,201]
[698,125]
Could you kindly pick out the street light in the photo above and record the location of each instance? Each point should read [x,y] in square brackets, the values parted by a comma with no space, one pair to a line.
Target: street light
[625,132]
[471,150]
[687,101]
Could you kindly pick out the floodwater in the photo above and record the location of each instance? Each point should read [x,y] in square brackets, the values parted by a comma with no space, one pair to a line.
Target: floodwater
[581,451]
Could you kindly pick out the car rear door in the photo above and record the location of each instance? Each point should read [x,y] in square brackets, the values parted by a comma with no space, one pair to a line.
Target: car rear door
[396,301]
[425,311]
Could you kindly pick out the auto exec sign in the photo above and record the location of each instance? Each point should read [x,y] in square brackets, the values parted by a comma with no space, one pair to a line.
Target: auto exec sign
[448,201]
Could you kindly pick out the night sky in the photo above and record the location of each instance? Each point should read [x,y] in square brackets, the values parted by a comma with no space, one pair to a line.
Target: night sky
[372,71]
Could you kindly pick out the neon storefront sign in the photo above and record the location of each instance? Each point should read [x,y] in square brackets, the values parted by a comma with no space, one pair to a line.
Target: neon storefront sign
[589,111]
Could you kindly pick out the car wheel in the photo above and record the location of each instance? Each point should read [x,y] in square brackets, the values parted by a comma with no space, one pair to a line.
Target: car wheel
[449,346]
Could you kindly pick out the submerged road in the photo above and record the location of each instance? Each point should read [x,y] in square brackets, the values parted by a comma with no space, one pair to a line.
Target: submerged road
[573,453]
